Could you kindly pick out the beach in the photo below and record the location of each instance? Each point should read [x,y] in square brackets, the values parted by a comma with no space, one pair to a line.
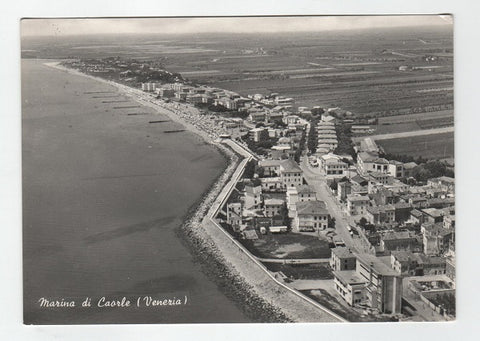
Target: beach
[243,281]
[104,197]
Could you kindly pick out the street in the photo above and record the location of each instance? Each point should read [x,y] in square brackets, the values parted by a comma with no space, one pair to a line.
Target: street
[319,182]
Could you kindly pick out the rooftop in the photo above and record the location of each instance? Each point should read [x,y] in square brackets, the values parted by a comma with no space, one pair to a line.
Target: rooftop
[376,264]
[397,235]
[354,197]
[343,252]
[349,277]
[305,189]
[290,166]
[273,202]
[312,207]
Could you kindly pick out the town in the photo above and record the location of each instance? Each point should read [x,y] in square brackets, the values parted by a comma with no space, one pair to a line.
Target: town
[367,234]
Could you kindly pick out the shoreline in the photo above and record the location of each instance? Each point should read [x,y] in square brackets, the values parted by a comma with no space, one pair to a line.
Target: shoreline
[191,232]
[260,298]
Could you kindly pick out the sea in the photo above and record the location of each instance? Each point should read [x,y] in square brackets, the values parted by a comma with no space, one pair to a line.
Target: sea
[104,194]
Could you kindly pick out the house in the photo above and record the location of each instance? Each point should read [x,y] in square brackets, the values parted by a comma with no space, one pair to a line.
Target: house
[311,216]
[273,184]
[290,173]
[408,169]
[299,194]
[432,215]
[395,169]
[234,215]
[357,204]
[436,239]
[381,214]
[256,134]
[443,182]
[402,211]
[400,241]
[344,188]
[257,116]
[379,178]
[407,263]
[253,197]
[342,258]
[273,207]
[365,161]
[270,167]
[416,217]
[332,165]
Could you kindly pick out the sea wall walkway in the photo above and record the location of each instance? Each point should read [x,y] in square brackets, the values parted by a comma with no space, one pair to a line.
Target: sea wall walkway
[295,305]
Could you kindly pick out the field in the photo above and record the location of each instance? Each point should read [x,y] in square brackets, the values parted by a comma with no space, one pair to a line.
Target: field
[355,70]
[401,123]
[435,146]
[285,246]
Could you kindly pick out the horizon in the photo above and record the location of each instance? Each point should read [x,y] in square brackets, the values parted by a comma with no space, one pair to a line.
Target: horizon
[71,27]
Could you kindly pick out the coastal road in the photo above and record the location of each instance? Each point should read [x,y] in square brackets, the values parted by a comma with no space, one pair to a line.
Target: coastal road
[319,182]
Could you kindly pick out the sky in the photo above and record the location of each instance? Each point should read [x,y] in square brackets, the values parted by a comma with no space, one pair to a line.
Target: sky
[56,27]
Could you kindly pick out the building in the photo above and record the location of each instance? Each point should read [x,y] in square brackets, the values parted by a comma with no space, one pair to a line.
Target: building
[350,286]
[311,216]
[166,92]
[273,184]
[342,258]
[253,197]
[332,165]
[400,241]
[407,263]
[443,182]
[436,239]
[290,173]
[408,169]
[256,134]
[273,207]
[234,215]
[381,214]
[384,285]
[299,194]
[395,169]
[344,188]
[357,204]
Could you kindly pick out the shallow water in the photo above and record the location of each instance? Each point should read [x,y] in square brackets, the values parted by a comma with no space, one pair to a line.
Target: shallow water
[103,193]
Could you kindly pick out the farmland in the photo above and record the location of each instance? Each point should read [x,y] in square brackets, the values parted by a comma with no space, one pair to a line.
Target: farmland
[355,70]
[434,146]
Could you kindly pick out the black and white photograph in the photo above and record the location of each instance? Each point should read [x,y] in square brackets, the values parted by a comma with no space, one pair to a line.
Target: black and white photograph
[238,169]
[256,169]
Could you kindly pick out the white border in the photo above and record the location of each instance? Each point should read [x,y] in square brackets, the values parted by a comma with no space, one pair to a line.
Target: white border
[467,162]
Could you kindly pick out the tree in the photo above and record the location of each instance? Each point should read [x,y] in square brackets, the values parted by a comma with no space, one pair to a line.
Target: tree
[249,169]
[363,222]
[331,222]
[312,142]
[334,185]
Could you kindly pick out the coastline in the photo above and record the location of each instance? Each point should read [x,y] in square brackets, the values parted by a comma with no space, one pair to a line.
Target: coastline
[258,296]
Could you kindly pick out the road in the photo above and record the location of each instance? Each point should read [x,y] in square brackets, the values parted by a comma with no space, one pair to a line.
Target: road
[319,182]
[294,260]
[407,134]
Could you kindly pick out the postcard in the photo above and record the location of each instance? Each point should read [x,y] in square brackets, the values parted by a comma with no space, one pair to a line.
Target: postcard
[238,169]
